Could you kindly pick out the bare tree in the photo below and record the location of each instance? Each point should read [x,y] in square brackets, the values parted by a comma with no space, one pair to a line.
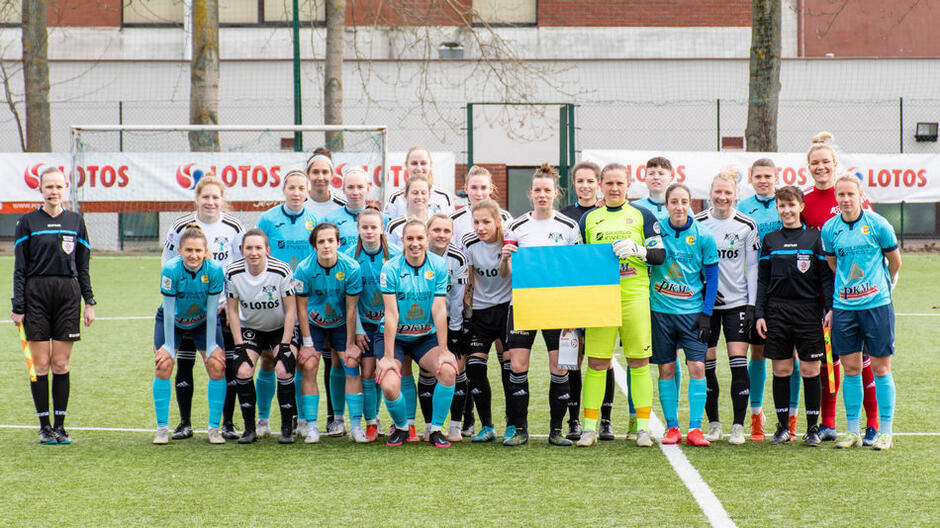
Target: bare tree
[333,72]
[36,77]
[204,75]
[764,86]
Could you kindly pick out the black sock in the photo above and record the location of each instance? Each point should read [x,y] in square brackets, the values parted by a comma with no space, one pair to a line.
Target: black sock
[460,397]
[517,406]
[505,370]
[327,367]
[286,401]
[60,397]
[574,402]
[468,419]
[740,388]
[559,395]
[247,399]
[40,390]
[782,399]
[608,404]
[184,386]
[711,391]
[480,389]
[812,394]
[426,386]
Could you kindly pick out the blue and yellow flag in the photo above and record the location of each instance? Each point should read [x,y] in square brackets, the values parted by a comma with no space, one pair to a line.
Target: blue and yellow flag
[565,287]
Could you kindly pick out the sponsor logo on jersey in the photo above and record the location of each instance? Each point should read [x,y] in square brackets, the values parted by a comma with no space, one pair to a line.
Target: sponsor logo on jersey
[858,291]
[429,274]
[671,289]
[68,244]
[856,273]
[204,279]
[340,275]
[626,270]
[690,240]
[415,312]
[675,272]
[802,263]
[377,298]
[166,283]
[414,329]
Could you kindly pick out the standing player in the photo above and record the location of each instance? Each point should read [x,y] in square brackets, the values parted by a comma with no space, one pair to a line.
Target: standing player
[682,295]
[191,284]
[223,233]
[543,226]
[260,291]
[418,163]
[356,186]
[792,276]
[738,251]
[327,285]
[321,199]
[635,235]
[50,278]
[417,193]
[857,245]
[414,286]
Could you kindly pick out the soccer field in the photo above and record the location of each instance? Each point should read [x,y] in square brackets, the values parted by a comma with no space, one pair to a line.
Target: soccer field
[116,477]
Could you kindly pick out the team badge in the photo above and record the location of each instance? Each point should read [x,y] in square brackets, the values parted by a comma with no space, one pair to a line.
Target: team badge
[865,229]
[308,226]
[270,290]
[429,274]
[68,244]
[802,263]
[204,279]
[690,240]
[340,275]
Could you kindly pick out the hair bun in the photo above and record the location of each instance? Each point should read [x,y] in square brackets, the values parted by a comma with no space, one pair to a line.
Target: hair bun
[822,138]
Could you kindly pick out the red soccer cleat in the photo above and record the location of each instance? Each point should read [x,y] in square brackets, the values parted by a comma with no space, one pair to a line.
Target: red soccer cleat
[696,438]
[412,435]
[673,436]
[791,425]
[757,427]
[372,432]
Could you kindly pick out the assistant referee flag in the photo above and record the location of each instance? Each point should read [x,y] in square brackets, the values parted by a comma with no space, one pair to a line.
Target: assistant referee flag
[565,287]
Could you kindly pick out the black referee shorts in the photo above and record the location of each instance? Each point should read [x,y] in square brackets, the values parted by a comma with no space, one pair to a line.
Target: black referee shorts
[53,308]
[794,325]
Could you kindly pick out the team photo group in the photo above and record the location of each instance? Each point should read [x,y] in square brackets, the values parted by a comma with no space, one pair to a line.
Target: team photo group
[411,303]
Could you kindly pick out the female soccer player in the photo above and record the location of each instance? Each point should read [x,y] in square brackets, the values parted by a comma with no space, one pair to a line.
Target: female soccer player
[356,186]
[321,199]
[371,251]
[414,286]
[658,175]
[738,250]
[418,163]
[857,243]
[223,233]
[50,279]
[542,226]
[327,285]
[490,290]
[681,304]
[260,290]
[417,192]
[791,278]
[191,285]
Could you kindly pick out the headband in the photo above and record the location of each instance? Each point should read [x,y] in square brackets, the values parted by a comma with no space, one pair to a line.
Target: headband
[318,157]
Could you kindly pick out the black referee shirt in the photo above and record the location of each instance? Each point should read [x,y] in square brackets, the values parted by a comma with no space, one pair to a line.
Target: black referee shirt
[47,246]
[792,267]
[575,211]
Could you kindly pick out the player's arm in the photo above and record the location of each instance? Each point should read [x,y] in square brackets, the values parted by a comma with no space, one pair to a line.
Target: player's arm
[20,251]
[894,266]
[169,324]
[234,323]
[468,293]
[439,316]
[82,260]
[302,320]
[763,284]
[652,239]
[212,320]
[752,251]
[169,247]
[290,317]
[352,320]
[824,274]
[505,260]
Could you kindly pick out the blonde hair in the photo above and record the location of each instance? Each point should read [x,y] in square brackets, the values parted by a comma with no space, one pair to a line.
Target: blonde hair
[209,178]
[439,216]
[728,175]
[849,177]
[615,167]
[493,209]
[430,162]
[193,230]
[412,180]
[822,140]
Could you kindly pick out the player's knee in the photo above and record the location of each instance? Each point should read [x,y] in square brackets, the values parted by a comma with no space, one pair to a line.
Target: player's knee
[244,371]
[391,386]
[696,369]
[310,367]
[215,367]
[668,370]
[808,369]
[447,375]
[881,366]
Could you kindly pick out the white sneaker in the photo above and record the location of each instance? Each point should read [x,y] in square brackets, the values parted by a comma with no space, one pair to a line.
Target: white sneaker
[312,433]
[453,433]
[337,428]
[263,428]
[301,427]
[643,438]
[358,435]
[588,438]
[163,435]
[714,432]
[737,435]
[215,436]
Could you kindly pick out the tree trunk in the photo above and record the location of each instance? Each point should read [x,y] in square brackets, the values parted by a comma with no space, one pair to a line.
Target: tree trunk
[764,88]
[204,75]
[36,77]
[333,74]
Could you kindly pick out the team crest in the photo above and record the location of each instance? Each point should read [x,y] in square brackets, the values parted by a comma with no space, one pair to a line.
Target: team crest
[308,226]
[340,275]
[802,263]
[690,240]
[68,244]
[221,241]
[865,229]
[270,290]
[204,279]
[556,237]
[429,274]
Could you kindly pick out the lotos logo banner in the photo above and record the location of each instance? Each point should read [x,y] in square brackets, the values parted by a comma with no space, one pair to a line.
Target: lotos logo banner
[187,176]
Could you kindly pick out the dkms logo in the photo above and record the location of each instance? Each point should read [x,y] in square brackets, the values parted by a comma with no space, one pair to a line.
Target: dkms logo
[188,176]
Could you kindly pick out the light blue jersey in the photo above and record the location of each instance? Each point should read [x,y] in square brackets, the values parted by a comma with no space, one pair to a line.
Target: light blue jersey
[191,289]
[326,288]
[676,285]
[288,233]
[371,305]
[416,288]
[657,208]
[862,280]
[346,220]
[763,210]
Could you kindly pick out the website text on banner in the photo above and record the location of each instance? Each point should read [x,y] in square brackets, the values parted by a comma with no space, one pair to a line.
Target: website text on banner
[887,178]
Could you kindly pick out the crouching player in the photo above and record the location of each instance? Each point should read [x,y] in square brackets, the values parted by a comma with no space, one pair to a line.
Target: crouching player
[260,291]
[791,276]
[414,287]
[189,283]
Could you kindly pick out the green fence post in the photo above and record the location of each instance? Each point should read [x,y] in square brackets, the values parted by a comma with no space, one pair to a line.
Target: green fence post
[902,224]
[469,135]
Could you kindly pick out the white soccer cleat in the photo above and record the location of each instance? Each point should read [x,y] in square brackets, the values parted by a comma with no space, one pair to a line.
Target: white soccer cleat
[588,438]
[358,435]
[263,428]
[643,438]
[301,427]
[163,435]
[714,432]
[215,436]
[337,428]
[453,433]
[737,435]
[312,433]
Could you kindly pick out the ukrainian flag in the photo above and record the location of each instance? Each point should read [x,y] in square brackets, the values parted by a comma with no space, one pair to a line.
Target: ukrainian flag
[565,287]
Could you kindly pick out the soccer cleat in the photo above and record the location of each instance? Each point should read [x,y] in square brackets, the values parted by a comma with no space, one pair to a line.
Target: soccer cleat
[782,435]
[412,435]
[453,433]
[336,428]
[215,436]
[827,434]
[287,435]
[61,436]
[357,435]
[588,438]
[229,432]
[714,432]
[673,436]
[183,431]
[632,427]
[851,440]
[509,433]
[378,428]
[791,425]
[467,431]
[643,438]
[883,442]
[605,431]
[300,427]
[372,432]
[519,437]
[574,430]
[811,438]
[397,437]
[555,438]
[263,428]
[486,434]
[757,427]
[436,439]
[737,434]
[161,438]
[311,433]
[248,437]
[695,437]
[870,435]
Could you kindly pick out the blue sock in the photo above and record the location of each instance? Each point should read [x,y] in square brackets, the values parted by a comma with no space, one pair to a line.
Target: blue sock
[311,404]
[678,379]
[796,382]
[369,402]
[161,400]
[884,390]
[852,393]
[409,391]
[355,402]
[298,377]
[265,387]
[757,372]
[630,406]
[217,389]
[338,392]
[398,410]
[443,396]
[697,396]
[669,399]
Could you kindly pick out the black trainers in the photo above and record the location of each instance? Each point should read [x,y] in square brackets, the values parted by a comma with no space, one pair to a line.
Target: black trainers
[811,438]
[397,437]
[61,436]
[555,438]
[182,431]
[228,431]
[287,433]
[248,437]
[437,439]
[574,430]
[47,436]
[605,431]
[782,435]
[520,437]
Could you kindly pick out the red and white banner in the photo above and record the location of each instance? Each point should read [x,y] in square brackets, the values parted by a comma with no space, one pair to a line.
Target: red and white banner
[887,178]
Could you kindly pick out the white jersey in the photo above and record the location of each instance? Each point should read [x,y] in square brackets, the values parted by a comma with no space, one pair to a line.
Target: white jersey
[394,230]
[321,209]
[489,288]
[224,237]
[557,230]
[260,297]
[738,244]
[463,223]
[457,270]
[438,202]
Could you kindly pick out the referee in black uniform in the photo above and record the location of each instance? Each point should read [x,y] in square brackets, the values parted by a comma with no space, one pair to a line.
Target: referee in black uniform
[50,278]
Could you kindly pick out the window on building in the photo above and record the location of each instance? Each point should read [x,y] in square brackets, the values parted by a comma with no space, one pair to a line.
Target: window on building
[231,12]
[505,11]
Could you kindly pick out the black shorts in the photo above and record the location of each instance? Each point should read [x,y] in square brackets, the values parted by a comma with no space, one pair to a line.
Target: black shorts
[796,325]
[525,338]
[53,308]
[259,340]
[730,320]
[486,326]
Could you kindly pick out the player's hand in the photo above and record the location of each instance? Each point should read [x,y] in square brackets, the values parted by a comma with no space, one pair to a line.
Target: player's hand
[385,366]
[307,352]
[703,326]
[507,251]
[748,322]
[89,315]
[352,353]
[17,318]
[761,327]
[445,357]
[161,356]
[827,319]
[626,248]
[362,341]
[894,280]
